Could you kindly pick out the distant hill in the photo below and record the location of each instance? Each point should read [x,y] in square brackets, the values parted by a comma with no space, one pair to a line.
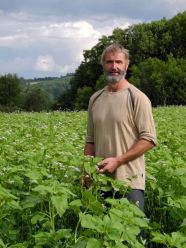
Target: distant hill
[55,86]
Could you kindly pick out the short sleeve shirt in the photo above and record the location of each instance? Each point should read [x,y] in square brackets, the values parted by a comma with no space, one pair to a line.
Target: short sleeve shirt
[114,126]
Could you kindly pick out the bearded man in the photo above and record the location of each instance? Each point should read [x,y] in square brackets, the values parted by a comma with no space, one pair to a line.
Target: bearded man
[120,125]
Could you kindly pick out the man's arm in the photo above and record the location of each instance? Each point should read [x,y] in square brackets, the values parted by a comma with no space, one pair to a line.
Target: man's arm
[109,165]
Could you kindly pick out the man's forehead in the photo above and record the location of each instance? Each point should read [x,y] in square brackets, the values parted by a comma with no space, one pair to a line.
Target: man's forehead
[114,54]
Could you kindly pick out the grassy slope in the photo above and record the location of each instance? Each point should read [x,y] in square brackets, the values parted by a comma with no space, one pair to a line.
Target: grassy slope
[55,87]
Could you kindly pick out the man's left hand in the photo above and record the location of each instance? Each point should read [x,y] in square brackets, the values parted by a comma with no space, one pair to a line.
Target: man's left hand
[108,165]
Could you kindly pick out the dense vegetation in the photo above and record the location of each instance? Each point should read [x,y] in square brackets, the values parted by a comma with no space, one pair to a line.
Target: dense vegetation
[42,201]
[32,94]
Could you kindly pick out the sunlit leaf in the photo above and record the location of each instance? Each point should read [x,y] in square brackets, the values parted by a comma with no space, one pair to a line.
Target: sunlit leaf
[60,203]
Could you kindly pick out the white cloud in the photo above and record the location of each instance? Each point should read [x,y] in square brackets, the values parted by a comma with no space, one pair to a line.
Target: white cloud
[107,26]
[56,47]
[46,64]
[74,30]
[68,68]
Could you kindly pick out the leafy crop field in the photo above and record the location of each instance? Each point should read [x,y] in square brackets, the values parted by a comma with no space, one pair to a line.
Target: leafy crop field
[42,201]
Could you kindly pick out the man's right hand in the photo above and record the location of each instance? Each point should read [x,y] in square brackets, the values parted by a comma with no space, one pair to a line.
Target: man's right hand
[86,180]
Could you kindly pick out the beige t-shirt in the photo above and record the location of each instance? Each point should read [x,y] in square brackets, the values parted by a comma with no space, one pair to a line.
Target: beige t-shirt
[114,126]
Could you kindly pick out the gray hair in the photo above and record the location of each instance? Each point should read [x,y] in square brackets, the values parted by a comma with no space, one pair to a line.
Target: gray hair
[115,47]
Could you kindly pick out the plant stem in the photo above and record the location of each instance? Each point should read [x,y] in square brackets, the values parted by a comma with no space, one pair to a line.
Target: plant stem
[51,213]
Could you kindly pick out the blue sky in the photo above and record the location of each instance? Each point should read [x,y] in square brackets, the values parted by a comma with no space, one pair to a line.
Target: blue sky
[40,38]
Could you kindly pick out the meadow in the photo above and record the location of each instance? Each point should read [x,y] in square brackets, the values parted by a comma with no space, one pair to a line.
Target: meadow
[43,203]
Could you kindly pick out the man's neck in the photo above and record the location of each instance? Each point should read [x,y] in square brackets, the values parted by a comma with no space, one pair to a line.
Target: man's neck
[118,86]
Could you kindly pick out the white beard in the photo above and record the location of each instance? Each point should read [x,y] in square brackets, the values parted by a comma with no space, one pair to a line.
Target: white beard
[114,79]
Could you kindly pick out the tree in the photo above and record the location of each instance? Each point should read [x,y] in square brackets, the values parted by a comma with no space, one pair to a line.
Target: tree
[83,96]
[148,76]
[65,101]
[164,82]
[175,81]
[36,99]
[9,90]
[100,83]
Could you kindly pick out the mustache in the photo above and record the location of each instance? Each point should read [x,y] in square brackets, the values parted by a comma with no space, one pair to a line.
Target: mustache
[115,70]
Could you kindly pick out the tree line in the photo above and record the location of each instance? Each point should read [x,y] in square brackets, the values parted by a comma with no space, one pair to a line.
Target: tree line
[157,63]
[157,67]
[15,95]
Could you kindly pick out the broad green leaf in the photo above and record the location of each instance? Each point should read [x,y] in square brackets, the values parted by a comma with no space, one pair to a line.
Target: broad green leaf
[76,203]
[80,244]
[39,217]
[19,245]
[14,204]
[183,223]
[31,201]
[5,194]
[176,239]
[140,222]
[89,167]
[2,245]
[89,221]
[183,180]
[60,203]
[159,238]
[34,174]
[112,244]
[92,243]
[63,233]
[43,189]
[43,238]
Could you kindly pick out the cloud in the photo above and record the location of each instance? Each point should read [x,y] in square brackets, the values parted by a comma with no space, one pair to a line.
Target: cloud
[46,63]
[16,65]
[68,68]
[56,47]
[18,40]
[44,37]
[75,30]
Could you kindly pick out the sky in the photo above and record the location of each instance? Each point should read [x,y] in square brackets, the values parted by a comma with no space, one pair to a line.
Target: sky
[46,38]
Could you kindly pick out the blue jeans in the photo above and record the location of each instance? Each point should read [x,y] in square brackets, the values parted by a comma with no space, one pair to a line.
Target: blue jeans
[135,195]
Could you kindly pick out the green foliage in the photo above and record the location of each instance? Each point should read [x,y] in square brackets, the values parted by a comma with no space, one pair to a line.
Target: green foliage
[54,87]
[36,99]
[43,203]
[31,95]
[9,91]
[163,82]
[100,83]
[65,101]
[83,96]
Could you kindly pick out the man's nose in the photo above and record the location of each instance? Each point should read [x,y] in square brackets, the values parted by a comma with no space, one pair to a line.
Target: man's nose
[114,65]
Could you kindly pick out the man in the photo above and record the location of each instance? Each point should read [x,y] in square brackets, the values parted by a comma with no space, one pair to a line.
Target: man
[120,125]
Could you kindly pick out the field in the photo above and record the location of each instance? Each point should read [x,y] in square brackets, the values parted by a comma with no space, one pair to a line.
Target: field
[42,201]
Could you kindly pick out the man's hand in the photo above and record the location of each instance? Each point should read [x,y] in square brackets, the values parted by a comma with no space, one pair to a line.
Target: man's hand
[86,180]
[108,165]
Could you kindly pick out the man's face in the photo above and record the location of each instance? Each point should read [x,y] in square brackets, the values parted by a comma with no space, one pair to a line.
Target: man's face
[114,67]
